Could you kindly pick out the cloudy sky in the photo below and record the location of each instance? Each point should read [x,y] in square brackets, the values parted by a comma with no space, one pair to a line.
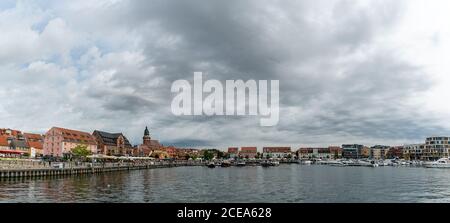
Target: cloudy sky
[372,72]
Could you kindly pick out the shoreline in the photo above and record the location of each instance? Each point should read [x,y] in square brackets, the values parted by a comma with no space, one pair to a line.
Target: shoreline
[43,172]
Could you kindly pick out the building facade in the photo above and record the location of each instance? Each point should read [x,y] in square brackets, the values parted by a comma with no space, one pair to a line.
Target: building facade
[35,143]
[379,152]
[413,151]
[233,152]
[351,151]
[59,142]
[248,152]
[149,147]
[436,148]
[277,152]
[113,144]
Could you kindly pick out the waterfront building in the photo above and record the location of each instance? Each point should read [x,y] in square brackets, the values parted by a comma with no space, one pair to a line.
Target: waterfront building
[186,153]
[20,145]
[10,132]
[248,152]
[276,152]
[4,143]
[314,153]
[436,148]
[395,152]
[306,153]
[112,144]
[364,152]
[8,148]
[233,152]
[59,142]
[149,146]
[331,152]
[379,152]
[171,151]
[35,143]
[413,151]
[351,151]
[335,152]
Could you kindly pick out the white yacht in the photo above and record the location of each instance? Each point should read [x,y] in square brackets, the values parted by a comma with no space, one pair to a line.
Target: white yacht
[440,163]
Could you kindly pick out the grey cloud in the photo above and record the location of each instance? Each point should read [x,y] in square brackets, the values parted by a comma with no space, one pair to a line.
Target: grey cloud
[336,80]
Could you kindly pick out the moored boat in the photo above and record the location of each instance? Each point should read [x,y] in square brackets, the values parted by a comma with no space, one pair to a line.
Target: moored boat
[225,164]
[211,165]
[241,164]
[274,163]
[265,164]
[440,163]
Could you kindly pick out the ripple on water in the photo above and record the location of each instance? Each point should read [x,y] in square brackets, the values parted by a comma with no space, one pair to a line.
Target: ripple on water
[287,183]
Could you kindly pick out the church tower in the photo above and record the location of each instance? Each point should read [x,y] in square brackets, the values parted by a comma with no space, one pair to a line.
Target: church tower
[147,139]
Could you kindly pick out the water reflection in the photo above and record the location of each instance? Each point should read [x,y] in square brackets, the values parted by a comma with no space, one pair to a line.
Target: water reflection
[287,183]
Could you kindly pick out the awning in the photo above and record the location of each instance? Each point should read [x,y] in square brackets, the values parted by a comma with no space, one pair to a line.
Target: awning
[12,152]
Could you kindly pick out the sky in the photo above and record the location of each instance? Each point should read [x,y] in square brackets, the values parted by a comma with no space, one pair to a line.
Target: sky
[369,72]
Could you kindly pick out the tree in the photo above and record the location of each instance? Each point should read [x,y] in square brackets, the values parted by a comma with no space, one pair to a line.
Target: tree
[207,155]
[220,154]
[80,151]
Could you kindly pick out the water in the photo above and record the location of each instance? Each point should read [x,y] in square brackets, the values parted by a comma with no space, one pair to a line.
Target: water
[283,184]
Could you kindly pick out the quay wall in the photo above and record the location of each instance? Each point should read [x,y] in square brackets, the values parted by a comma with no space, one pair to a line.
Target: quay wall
[35,172]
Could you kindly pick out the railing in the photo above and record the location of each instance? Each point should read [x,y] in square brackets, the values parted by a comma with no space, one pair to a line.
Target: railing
[28,164]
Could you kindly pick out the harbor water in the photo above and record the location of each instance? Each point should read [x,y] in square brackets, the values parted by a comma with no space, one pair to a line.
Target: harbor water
[282,184]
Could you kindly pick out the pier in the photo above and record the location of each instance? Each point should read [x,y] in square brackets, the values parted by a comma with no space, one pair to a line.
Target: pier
[87,168]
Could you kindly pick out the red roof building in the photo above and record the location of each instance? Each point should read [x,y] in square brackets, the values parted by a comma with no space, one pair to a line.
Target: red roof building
[248,152]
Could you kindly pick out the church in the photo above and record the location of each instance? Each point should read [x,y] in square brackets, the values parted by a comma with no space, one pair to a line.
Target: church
[151,147]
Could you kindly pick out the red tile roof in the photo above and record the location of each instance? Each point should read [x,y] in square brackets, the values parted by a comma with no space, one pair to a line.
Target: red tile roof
[36,145]
[4,140]
[70,135]
[33,137]
[249,149]
[277,149]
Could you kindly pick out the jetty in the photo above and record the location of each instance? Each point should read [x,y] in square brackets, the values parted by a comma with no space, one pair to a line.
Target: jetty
[22,170]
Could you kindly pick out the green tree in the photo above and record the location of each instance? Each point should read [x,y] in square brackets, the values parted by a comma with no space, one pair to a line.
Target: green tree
[208,155]
[220,154]
[80,152]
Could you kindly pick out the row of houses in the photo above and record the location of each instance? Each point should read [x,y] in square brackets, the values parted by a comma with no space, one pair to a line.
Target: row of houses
[15,143]
[252,152]
[59,142]
[433,149]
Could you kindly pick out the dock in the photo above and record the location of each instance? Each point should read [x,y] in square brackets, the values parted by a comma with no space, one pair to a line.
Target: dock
[85,169]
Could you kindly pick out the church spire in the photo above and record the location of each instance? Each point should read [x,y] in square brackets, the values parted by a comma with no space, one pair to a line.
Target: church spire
[146,139]
[146,132]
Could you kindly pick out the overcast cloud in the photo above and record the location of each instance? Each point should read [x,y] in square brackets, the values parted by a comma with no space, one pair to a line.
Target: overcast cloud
[372,72]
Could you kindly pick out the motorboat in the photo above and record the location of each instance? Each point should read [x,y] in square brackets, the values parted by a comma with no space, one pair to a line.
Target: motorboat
[374,164]
[274,163]
[306,162]
[265,164]
[225,164]
[336,163]
[241,164]
[211,165]
[440,163]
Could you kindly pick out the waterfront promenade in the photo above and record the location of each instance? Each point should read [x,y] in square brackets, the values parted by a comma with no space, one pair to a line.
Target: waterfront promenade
[26,168]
